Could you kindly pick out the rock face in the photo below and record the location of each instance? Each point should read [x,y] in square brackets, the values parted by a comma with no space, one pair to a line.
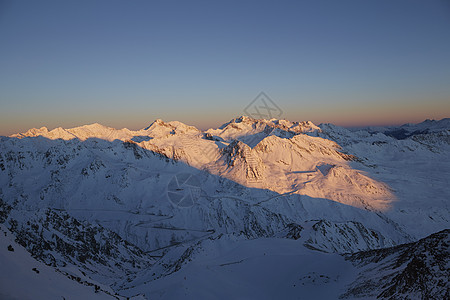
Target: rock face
[345,237]
[241,159]
[58,240]
[417,270]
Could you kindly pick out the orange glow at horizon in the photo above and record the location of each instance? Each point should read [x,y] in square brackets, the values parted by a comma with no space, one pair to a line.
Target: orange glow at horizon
[346,115]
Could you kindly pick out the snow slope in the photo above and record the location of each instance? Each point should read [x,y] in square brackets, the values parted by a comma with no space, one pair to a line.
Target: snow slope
[263,268]
[415,169]
[270,268]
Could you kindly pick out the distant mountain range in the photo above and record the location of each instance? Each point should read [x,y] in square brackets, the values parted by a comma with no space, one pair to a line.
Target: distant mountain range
[259,209]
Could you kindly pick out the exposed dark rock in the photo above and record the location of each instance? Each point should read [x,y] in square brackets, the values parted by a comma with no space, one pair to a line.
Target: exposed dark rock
[411,271]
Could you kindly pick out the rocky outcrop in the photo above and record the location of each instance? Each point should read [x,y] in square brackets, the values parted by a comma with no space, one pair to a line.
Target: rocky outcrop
[58,239]
[242,160]
[412,271]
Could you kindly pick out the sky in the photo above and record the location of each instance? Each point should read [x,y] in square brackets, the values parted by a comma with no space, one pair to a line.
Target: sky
[127,63]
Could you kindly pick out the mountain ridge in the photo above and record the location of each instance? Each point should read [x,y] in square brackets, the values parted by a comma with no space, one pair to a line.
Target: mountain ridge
[302,126]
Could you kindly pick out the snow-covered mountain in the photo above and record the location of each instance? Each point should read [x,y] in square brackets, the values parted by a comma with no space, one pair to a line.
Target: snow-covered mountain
[131,210]
[408,130]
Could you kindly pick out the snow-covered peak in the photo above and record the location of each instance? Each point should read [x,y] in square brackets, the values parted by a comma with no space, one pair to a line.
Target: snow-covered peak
[156,123]
[427,126]
[244,119]
[304,126]
[410,130]
[82,133]
[31,132]
[57,133]
[297,127]
[251,131]
[159,127]
[94,130]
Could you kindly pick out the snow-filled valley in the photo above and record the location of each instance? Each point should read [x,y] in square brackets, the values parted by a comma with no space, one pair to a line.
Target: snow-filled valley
[255,209]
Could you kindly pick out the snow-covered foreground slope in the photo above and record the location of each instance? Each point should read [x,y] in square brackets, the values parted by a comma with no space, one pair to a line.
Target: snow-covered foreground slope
[270,268]
[22,277]
[131,209]
[264,268]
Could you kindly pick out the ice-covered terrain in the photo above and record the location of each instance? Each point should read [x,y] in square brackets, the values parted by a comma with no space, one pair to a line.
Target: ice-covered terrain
[254,209]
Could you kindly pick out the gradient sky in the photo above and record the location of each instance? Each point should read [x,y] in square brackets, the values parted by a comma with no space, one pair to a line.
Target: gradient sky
[126,63]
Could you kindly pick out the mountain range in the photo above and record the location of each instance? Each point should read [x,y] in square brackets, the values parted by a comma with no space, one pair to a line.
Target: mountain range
[259,209]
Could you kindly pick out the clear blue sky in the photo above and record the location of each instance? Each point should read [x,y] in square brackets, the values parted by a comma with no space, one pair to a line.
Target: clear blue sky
[126,63]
